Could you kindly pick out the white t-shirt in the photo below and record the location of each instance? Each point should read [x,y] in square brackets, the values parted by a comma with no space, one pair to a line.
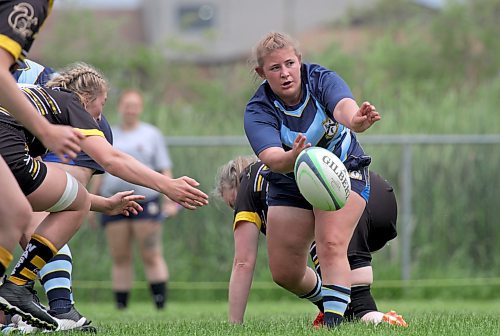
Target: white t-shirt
[145,143]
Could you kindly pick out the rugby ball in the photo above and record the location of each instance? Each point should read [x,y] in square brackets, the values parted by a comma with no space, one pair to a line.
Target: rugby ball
[322,179]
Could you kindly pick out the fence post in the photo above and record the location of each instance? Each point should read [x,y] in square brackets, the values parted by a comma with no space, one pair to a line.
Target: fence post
[406,210]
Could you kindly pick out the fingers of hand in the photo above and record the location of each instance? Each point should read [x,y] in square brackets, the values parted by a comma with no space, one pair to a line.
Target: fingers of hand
[190,181]
[132,198]
[79,135]
[187,205]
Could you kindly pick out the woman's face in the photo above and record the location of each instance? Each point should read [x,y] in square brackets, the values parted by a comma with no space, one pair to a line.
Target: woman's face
[96,106]
[281,69]
[130,107]
[229,196]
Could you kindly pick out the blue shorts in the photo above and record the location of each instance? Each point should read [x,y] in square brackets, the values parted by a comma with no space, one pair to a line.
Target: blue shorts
[152,211]
[283,190]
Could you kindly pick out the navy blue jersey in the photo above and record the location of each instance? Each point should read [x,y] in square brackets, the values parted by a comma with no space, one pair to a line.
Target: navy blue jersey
[269,123]
[30,72]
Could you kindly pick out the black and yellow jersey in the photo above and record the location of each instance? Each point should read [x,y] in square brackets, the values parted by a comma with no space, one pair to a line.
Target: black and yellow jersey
[59,107]
[20,21]
[250,204]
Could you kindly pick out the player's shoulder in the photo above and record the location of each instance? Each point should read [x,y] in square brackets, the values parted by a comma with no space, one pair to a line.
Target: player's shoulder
[263,98]
[149,129]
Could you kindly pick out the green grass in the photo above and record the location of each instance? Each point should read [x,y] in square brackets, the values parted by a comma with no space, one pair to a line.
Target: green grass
[435,318]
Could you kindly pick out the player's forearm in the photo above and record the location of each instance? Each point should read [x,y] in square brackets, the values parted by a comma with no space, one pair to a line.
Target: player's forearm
[344,111]
[278,160]
[98,203]
[239,290]
[129,169]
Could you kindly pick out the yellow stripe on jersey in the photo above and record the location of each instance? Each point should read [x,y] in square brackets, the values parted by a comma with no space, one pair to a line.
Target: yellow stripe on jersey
[36,101]
[11,46]
[53,104]
[260,181]
[247,216]
[90,132]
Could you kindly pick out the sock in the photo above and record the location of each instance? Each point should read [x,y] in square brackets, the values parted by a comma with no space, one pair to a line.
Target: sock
[159,291]
[56,280]
[335,300]
[121,299]
[38,252]
[362,302]
[315,295]
[5,259]
[314,258]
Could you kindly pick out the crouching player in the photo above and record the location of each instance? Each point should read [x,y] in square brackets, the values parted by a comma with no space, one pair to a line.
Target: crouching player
[242,187]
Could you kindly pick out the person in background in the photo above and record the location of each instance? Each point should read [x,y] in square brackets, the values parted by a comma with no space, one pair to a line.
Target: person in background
[297,106]
[242,186]
[20,22]
[146,143]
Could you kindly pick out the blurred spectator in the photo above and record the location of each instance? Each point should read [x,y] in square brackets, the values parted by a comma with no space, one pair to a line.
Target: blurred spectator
[146,143]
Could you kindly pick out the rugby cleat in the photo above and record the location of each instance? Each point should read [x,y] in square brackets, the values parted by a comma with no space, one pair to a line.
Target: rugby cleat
[393,318]
[318,321]
[73,320]
[22,300]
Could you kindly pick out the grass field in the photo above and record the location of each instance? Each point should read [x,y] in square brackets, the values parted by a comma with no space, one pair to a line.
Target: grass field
[454,318]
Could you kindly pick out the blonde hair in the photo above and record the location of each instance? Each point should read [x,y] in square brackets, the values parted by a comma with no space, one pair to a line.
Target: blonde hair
[228,175]
[81,78]
[270,42]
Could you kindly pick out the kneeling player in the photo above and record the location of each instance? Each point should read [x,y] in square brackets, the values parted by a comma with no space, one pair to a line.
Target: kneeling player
[242,186]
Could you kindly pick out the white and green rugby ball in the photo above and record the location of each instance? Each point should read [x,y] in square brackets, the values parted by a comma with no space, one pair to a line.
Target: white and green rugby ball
[322,179]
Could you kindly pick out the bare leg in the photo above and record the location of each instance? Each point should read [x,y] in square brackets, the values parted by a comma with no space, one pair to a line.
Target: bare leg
[149,238]
[289,235]
[119,237]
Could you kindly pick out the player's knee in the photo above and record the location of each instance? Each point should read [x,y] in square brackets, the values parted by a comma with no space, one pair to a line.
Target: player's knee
[18,216]
[74,197]
[122,259]
[287,278]
[332,248]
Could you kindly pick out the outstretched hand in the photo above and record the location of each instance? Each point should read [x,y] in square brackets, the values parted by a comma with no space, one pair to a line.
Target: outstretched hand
[64,141]
[364,118]
[183,190]
[124,203]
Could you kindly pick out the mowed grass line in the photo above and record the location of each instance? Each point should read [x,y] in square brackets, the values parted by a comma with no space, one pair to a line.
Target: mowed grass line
[436,318]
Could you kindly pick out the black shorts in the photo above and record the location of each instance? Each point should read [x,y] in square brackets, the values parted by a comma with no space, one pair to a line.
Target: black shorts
[20,21]
[28,171]
[377,224]
[152,211]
